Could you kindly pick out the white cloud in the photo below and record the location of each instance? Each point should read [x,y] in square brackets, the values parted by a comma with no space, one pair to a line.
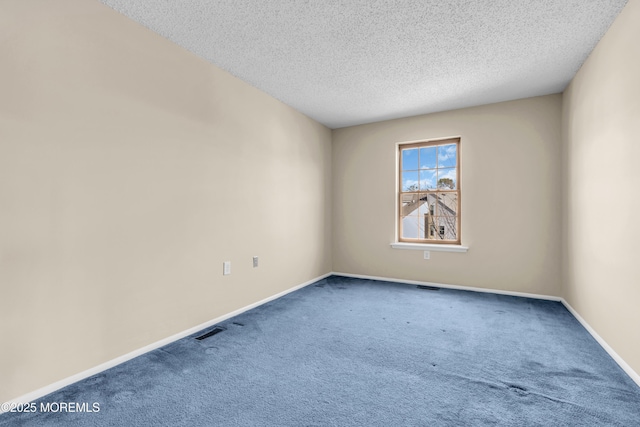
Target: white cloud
[423,183]
[450,173]
[446,152]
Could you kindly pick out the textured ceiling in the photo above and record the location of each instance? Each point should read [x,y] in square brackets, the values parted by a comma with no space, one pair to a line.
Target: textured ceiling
[358,61]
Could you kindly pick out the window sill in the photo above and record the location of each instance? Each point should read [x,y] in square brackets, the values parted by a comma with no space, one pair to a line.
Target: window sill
[430,247]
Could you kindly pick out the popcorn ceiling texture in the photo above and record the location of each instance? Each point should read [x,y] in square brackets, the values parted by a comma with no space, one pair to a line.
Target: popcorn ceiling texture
[351,62]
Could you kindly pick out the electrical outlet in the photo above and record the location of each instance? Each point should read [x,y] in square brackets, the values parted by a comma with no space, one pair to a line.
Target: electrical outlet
[255,261]
[226,268]
[427,255]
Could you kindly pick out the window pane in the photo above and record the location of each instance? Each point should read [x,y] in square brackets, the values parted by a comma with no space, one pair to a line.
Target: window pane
[408,199]
[447,155]
[428,157]
[446,228]
[410,204]
[410,227]
[427,202]
[447,204]
[410,181]
[425,209]
[414,220]
[424,222]
[410,159]
[428,179]
[447,179]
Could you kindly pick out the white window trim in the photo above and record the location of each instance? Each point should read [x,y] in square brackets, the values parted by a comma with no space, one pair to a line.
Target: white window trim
[429,247]
[420,246]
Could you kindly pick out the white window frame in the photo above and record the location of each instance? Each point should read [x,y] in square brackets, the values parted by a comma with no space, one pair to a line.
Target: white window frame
[430,244]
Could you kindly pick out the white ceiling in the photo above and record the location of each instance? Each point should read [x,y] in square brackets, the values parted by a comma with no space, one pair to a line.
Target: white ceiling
[348,62]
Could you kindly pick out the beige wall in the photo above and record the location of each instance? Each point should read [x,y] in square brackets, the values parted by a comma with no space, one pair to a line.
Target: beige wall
[129,171]
[601,164]
[510,183]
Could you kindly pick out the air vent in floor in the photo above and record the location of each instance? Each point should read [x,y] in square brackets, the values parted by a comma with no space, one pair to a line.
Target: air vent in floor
[211,333]
[428,288]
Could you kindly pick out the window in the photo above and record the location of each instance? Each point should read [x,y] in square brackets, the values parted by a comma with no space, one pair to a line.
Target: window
[429,193]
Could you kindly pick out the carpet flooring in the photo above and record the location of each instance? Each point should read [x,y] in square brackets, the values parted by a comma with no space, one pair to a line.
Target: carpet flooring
[353,352]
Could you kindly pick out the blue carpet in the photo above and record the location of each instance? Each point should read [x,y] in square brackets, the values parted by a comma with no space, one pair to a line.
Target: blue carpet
[351,352]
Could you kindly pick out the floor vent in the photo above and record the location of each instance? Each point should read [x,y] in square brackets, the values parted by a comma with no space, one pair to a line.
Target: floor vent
[238,323]
[211,333]
[428,288]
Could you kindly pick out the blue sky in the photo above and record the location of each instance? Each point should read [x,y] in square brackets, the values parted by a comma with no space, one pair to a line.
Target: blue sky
[426,165]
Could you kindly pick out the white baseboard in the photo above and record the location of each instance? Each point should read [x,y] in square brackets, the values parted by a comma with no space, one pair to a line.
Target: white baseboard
[615,356]
[41,392]
[619,360]
[34,395]
[461,288]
